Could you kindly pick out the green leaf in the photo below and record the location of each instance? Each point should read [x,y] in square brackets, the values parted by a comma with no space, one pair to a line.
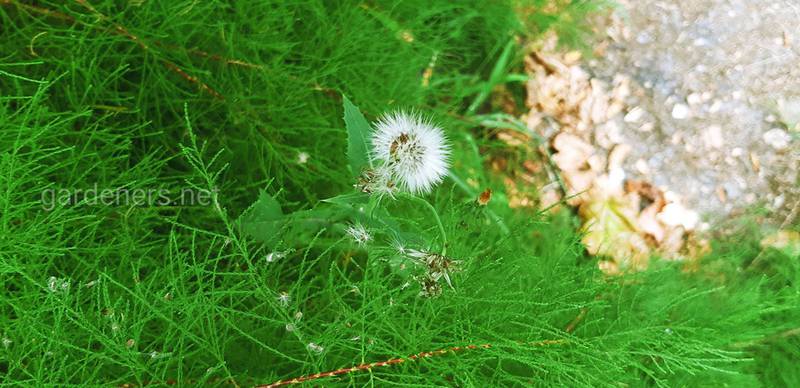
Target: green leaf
[357,138]
[349,199]
[497,77]
[263,220]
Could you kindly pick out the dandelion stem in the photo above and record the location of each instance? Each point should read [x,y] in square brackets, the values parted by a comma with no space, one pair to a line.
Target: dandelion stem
[435,216]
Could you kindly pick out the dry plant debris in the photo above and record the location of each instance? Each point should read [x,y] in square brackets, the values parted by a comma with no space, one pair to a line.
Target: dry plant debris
[625,221]
[787,241]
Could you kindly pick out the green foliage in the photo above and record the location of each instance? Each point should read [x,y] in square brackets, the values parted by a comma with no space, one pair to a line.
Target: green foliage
[263,220]
[238,287]
[357,138]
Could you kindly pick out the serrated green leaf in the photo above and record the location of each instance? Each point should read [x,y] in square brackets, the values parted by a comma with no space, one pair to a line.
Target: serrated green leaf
[358,146]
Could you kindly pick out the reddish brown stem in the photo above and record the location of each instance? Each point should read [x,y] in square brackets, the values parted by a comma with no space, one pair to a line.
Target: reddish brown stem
[390,362]
[119,29]
[572,325]
[124,31]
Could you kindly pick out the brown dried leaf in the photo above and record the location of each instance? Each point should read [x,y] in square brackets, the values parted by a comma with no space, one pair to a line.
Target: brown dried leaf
[609,232]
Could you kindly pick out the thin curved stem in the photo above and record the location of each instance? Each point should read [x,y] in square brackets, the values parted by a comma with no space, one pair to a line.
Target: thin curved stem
[435,216]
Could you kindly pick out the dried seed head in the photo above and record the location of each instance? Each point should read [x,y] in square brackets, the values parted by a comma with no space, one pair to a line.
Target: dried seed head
[485,197]
[430,287]
[359,233]
[436,266]
[378,181]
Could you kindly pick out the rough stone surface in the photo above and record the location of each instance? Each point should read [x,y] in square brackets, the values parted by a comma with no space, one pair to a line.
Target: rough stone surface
[714,104]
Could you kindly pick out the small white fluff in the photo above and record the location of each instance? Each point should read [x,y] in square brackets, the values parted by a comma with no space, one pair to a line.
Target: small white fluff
[284,299]
[359,233]
[413,149]
[315,348]
[56,285]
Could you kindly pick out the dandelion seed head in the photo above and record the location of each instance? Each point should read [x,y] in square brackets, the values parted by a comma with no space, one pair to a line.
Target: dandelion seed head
[359,233]
[413,149]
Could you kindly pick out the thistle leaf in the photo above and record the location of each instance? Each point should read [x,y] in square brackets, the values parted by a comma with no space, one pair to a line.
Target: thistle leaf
[349,199]
[358,146]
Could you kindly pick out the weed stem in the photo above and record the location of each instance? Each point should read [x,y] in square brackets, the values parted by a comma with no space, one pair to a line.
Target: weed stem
[435,216]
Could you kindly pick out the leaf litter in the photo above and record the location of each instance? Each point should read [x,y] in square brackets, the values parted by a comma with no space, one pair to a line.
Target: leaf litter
[624,221]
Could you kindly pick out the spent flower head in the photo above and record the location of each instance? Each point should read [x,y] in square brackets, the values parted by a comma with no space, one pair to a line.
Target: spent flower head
[359,233]
[429,287]
[378,181]
[436,266]
[412,151]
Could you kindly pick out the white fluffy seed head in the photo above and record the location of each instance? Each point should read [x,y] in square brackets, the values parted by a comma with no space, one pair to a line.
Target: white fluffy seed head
[413,149]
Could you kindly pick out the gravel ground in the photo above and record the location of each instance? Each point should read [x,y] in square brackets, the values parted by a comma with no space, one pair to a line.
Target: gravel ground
[715,99]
